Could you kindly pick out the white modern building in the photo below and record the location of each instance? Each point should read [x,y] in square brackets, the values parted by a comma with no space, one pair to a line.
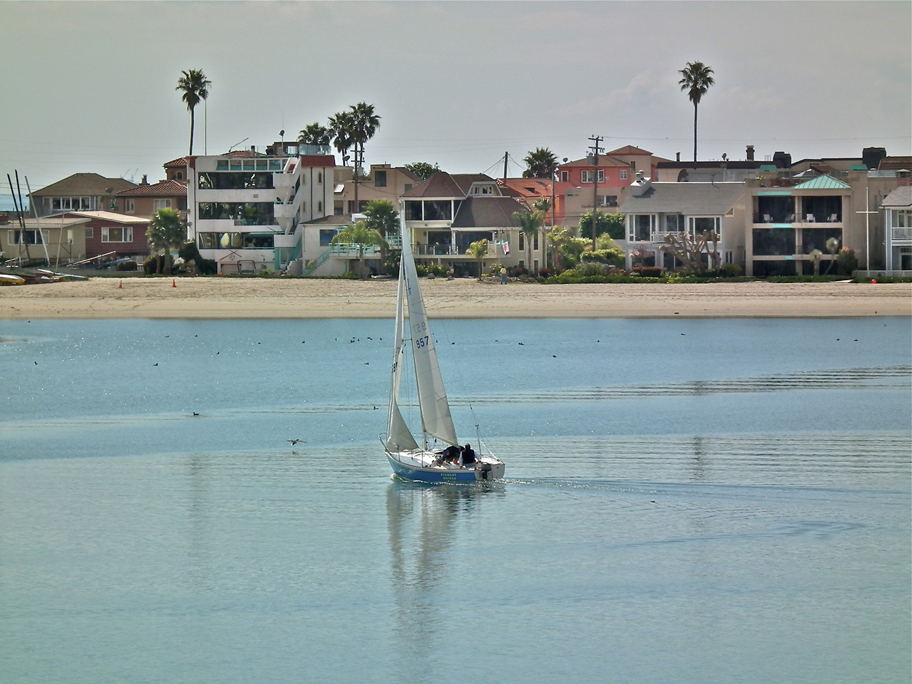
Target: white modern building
[245,209]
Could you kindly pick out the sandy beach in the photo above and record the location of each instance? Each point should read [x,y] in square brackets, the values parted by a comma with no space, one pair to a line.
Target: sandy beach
[461,298]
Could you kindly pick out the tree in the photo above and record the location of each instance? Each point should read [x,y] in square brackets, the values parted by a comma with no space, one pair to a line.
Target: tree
[543,205]
[422,169]
[166,231]
[606,224]
[195,86]
[364,123]
[362,236]
[540,163]
[530,222]
[478,250]
[568,248]
[382,217]
[696,80]
[689,249]
[832,245]
[314,134]
[340,130]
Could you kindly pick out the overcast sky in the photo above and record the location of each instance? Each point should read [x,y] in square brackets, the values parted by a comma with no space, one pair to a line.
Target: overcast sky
[90,86]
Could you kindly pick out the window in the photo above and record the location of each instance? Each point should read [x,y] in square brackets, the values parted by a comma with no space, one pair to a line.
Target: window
[379,179]
[633,167]
[130,206]
[161,204]
[438,210]
[588,176]
[179,175]
[413,211]
[326,236]
[117,233]
[243,214]
[623,174]
[700,224]
[320,177]
[338,208]
[641,227]
[522,241]
[774,242]
[90,234]
[319,207]
[565,176]
[235,181]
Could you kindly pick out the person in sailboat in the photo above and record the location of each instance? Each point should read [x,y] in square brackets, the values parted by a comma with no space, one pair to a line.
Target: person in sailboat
[467,456]
[448,455]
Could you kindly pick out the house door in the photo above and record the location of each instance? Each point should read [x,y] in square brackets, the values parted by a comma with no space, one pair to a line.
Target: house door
[905,259]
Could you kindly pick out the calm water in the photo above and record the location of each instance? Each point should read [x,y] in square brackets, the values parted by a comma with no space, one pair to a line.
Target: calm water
[687,501]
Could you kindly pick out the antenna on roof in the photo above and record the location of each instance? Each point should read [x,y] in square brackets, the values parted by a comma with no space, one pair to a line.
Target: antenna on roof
[238,143]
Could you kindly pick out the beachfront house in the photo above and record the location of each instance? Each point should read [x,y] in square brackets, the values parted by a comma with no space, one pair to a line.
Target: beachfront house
[791,217]
[79,192]
[246,209]
[898,209]
[448,212]
[654,210]
[75,237]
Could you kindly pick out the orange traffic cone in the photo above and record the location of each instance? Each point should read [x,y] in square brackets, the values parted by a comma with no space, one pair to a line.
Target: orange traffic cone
[120,287]
[173,283]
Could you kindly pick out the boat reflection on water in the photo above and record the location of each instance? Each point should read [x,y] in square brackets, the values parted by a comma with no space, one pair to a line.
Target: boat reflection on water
[424,522]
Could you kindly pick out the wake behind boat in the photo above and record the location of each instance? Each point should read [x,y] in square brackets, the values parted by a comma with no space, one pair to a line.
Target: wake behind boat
[407,459]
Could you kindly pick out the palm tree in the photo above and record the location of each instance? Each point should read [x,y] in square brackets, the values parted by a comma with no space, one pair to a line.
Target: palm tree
[195,87]
[530,222]
[340,130]
[364,124]
[541,163]
[696,80]
[166,231]
[478,250]
[382,217]
[543,205]
[359,234]
[314,134]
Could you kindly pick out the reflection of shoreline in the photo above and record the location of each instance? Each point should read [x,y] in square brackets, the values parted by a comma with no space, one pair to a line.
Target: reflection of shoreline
[422,521]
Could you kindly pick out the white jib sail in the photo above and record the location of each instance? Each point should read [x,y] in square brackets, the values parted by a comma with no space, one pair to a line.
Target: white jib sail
[398,436]
[432,400]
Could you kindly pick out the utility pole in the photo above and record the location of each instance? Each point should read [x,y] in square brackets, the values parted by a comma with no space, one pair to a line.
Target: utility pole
[506,158]
[594,155]
[867,212]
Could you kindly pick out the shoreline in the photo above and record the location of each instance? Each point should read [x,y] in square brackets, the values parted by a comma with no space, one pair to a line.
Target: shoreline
[253,298]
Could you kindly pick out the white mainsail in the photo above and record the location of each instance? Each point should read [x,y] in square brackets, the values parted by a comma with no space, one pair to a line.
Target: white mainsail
[398,436]
[432,401]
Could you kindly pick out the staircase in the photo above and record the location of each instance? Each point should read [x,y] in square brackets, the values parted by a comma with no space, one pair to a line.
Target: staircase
[312,267]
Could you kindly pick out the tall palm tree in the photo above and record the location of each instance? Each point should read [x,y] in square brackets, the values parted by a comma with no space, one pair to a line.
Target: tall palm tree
[530,222]
[364,124]
[340,130]
[696,80]
[195,87]
[540,163]
[314,134]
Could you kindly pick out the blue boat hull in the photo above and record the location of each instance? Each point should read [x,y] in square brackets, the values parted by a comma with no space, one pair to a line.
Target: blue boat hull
[443,475]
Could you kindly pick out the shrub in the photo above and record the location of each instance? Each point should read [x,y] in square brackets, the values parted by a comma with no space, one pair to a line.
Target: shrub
[648,271]
[127,266]
[846,261]
[152,264]
[731,271]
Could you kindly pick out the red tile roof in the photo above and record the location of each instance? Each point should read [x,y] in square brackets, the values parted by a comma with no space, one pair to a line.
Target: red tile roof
[171,188]
[629,149]
[176,163]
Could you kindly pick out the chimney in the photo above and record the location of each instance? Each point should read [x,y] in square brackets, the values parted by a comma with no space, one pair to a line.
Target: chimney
[4,218]
[750,153]
[902,177]
[640,185]
[145,180]
[677,156]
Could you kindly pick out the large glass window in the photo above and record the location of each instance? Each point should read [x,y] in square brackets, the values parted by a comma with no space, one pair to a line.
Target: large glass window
[413,211]
[641,227]
[326,236]
[438,210]
[243,214]
[235,181]
[816,238]
[826,209]
[379,179]
[674,223]
[701,224]
[774,241]
[775,210]
[117,233]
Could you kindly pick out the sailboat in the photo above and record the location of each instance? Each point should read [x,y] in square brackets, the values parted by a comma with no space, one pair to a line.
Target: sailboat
[407,458]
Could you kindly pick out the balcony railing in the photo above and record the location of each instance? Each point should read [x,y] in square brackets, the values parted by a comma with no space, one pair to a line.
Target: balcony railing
[898,234]
[436,250]
[801,218]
